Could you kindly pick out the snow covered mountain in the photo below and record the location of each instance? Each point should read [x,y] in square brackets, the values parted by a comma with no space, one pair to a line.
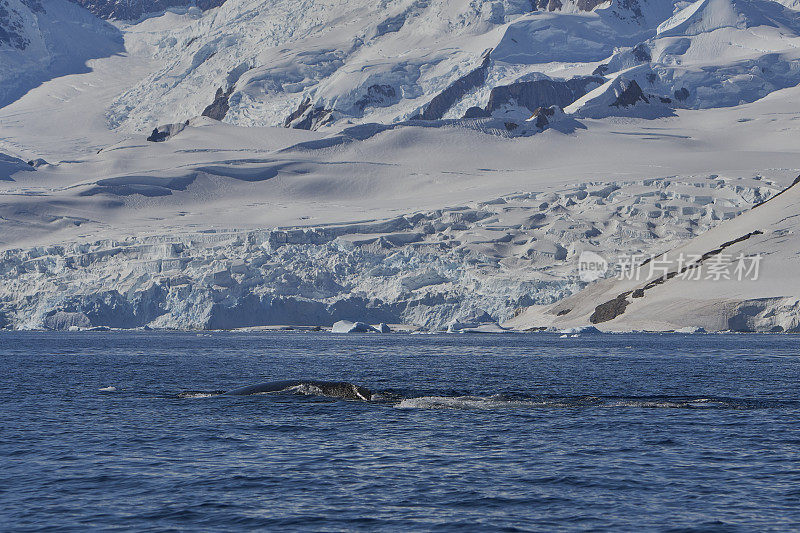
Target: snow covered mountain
[440,163]
[40,40]
[328,62]
[135,9]
[256,64]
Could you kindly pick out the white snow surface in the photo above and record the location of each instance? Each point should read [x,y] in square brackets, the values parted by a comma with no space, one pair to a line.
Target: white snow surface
[716,298]
[384,62]
[56,37]
[374,215]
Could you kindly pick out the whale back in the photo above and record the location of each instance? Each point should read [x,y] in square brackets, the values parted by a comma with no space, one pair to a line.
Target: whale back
[333,389]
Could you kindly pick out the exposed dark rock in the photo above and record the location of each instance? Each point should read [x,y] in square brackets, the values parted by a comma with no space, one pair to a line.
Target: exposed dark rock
[629,5]
[392,24]
[162,133]
[600,70]
[610,310]
[297,113]
[11,165]
[555,5]
[443,101]
[588,5]
[630,95]
[208,4]
[546,5]
[742,321]
[614,308]
[158,136]
[681,94]
[12,28]
[511,126]
[377,96]
[541,93]
[592,233]
[641,52]
[540,116]
[476,112]
[308,117]
[316,118]
[35,5]
[219,107]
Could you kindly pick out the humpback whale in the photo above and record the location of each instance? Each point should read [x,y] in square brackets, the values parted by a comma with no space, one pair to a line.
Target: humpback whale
[334,389]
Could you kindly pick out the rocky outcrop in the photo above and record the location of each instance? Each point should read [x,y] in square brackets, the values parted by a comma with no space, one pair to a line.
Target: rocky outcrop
[681,94]
[304,106]
[540,116]
[40,40]
[610,310]
[555,5]
[442,102]
[641,53]
[613,308]
[12,29]
[540,93]
[65,320]
[220,106]
[379,95]
[630,95]
[308,116]
[162,133]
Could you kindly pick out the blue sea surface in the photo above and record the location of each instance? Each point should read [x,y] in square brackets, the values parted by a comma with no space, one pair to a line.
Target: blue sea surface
[462,432]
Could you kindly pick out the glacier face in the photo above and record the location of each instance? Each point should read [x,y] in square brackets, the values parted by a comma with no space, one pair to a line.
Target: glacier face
[450,268]
[413,104]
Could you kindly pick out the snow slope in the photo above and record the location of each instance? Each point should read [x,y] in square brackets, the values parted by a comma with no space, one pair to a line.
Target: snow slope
[712,297]
[222,226]
[448,268]
[42,40]
[362,61]
[327,62]
[436,163]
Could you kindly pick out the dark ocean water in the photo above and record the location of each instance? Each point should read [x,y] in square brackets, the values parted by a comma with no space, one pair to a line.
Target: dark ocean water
[464,433]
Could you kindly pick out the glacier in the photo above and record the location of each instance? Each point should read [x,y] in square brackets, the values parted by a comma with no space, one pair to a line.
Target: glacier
[445,269]
[427,164]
